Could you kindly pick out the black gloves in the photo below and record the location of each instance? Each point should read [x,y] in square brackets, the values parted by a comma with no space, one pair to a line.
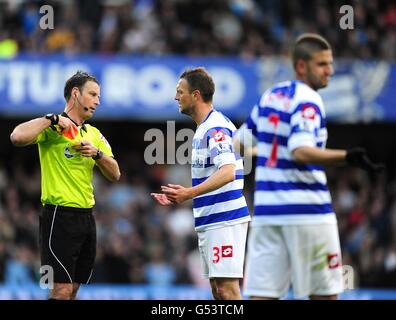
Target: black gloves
[357,157]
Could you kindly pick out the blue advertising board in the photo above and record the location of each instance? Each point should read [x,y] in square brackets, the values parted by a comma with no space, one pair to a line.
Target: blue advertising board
[143,87]
[150,292]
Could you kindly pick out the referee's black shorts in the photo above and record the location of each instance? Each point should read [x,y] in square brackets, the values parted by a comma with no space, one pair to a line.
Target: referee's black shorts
[68,243]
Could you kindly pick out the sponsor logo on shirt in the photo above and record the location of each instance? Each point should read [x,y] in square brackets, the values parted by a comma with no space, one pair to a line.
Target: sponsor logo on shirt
[226,251]
[69,152]
[198,161]
[333,260]
[223,148]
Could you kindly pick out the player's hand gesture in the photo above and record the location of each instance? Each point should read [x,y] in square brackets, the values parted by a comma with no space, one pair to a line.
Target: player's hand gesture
[161,199]
[176,193]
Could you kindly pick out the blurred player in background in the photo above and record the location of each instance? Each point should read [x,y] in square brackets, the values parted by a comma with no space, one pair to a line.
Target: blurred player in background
[69,149]
[220,210]
[293,236]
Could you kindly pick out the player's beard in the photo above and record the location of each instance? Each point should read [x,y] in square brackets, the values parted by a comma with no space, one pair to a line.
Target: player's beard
[315,81]
[187,110]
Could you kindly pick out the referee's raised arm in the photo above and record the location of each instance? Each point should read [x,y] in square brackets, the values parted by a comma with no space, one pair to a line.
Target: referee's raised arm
[27,132]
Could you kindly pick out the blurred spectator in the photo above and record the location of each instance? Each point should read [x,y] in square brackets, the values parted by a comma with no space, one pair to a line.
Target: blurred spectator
[8,47]
[139,242]
[19,269]
[3,260]
[158,270]
[61,39]
[232,27]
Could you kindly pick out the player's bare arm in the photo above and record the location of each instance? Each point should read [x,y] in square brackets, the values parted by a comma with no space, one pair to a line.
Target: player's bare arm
[356,157]
[245,151]
[244,142]
[221,177]
[177,194]
[312,155]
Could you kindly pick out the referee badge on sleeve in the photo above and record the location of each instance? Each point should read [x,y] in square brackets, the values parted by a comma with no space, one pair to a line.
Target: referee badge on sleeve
[102,137]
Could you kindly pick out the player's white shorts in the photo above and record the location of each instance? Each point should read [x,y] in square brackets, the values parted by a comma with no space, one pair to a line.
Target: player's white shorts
[308,256]
[222,251]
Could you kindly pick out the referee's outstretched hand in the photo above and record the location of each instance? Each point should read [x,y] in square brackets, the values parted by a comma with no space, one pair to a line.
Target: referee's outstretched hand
[358,157]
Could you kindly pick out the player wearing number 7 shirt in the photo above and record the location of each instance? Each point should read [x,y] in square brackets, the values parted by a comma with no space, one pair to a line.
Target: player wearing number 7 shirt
[220,211]
[293,236]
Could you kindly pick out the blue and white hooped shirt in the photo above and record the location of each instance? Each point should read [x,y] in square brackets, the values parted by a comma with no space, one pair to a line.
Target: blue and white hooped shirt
[213,148]
[288,116]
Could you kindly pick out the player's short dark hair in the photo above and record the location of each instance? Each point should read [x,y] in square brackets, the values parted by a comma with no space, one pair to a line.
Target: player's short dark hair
[306,45]
[199,79]
[77,80]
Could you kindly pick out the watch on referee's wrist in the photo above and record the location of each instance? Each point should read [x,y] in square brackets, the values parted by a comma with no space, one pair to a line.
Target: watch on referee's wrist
[99,155]
[54,118]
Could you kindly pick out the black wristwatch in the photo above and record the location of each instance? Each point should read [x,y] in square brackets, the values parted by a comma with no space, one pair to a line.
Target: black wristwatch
[98,155]
[54,118]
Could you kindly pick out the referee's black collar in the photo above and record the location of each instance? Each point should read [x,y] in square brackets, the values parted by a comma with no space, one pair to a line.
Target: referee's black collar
[64,114]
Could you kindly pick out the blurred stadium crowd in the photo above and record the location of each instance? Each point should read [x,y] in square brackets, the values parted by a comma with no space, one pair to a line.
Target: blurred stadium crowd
[248,28]
[139,241]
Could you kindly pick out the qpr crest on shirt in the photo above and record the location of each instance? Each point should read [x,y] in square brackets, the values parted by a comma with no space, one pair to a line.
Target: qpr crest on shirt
[218,136]
[307,123]
[308,112]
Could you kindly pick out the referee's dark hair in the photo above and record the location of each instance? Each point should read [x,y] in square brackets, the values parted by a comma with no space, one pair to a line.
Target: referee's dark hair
[306,45]
[199,79]
[77,80]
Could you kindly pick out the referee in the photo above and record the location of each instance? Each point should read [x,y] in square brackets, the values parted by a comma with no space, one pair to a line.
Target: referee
[69,149]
